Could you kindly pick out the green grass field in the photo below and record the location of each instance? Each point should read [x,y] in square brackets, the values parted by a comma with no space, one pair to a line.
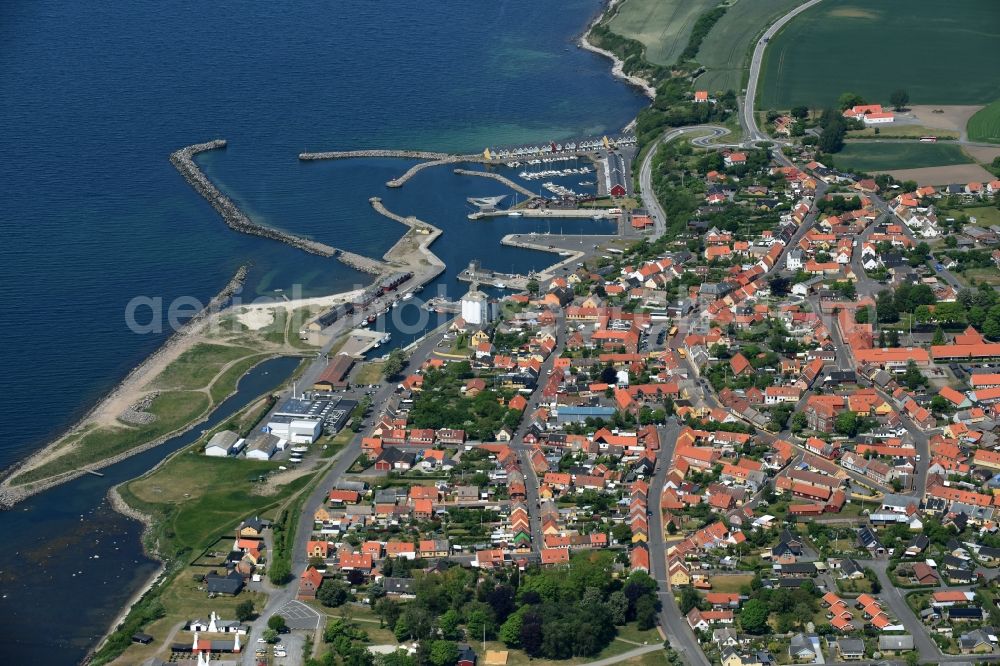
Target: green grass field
[936,51]
[663,26]
[985,125]
[725,51]
[872,156]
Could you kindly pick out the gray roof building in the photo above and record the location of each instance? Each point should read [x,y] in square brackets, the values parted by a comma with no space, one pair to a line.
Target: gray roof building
[895,642]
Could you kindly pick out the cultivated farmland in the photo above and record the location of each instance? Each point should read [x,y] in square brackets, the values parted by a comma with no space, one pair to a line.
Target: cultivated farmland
[874,156]
[663,26]
[935,50]
[985,125]
[725,51]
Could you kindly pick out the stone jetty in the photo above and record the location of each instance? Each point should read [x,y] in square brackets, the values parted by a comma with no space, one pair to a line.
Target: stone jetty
[497,177]
[348,154]
[417,168]
[183,161]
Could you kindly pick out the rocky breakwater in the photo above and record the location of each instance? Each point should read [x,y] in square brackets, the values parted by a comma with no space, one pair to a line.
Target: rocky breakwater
[348,154]
[183,161]
[499,178]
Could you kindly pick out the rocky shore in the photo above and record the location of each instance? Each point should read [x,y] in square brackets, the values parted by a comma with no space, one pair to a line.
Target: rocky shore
[617,66]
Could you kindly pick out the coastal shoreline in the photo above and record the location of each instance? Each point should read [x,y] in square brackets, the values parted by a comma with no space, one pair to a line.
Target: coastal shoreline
[617,67]
[120,397]
[117,503]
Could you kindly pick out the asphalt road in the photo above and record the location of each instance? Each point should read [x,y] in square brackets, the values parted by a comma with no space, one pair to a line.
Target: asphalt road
[675,626]
[749,117]
[646,170]
[928,649]
[524,452]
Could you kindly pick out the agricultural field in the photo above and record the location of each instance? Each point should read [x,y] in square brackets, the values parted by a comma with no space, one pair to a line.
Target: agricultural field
[726,49]
[870,156]
[663,26]
[831,49]
[985,125]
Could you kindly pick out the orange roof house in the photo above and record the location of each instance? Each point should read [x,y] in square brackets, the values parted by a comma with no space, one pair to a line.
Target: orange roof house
[740,364]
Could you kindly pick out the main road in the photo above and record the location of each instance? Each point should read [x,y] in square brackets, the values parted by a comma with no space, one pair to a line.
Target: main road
[646,169]
[749,119]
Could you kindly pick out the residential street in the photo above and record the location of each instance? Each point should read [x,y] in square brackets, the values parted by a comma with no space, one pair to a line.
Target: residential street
[675,626]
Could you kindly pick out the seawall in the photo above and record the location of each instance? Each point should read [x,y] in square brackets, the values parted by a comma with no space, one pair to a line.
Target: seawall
[417,168]
[497,177]
[183,161]
[348,154]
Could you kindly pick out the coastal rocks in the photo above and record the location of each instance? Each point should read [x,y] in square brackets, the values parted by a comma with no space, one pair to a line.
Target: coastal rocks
[137,413]
[183,161]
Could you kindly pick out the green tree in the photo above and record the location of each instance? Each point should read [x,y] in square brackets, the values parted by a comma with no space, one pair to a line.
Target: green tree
[849,99]
[394,364]
[270,636]
[847,423]
[689,599]
[333,593]
[799,422]
[448,624]
[277,622]
[899,99]
[618,607]
[510,631]
[443,653]
[245,611]
[913,378]
[938,338]
[831,139]
[532,286]
[753,617]
[645,612]
[800,112]
[279,571]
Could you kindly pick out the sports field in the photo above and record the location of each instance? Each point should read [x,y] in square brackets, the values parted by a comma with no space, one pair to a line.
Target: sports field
[726,49]
[937,51]
[664,26]
[985,125]
[872,156]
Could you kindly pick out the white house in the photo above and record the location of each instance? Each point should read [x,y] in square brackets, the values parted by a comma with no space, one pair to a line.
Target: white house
[794,260]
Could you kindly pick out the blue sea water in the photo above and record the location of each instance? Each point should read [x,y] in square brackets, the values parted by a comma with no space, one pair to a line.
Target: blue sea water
[94,97]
